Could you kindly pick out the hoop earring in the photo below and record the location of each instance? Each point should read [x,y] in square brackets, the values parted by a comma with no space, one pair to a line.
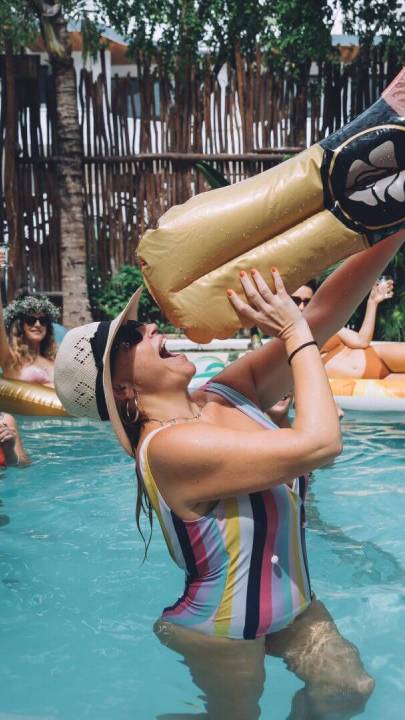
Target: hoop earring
[131,420]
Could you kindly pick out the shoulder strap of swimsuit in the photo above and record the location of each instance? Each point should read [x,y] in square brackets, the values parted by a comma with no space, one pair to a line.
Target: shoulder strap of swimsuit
[241,402]
[145,471]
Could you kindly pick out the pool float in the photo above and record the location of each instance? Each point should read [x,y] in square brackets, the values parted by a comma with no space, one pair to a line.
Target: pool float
[24,398]
[330,201]
[370,395]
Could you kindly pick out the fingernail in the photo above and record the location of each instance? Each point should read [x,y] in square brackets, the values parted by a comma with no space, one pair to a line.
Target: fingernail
[242,273]
[253,271]
[273,269]
[229,292]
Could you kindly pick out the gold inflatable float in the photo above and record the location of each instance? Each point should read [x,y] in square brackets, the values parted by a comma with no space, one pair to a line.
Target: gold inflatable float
[23,398]
[312,210]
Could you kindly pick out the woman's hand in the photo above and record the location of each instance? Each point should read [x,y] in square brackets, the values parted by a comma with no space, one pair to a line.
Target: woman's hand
[382,290]
[274,313]
[8,437]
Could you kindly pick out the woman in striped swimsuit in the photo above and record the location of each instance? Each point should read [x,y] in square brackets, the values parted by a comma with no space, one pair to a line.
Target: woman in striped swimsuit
[228,486]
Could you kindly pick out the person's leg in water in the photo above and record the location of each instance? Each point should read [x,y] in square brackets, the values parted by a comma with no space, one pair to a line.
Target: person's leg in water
[336,683]
[230,673]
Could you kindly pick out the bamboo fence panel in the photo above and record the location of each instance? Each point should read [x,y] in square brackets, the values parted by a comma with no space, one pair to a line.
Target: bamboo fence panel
[142,137]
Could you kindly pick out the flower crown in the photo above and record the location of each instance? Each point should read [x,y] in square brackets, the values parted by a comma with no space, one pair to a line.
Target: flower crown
[28,305]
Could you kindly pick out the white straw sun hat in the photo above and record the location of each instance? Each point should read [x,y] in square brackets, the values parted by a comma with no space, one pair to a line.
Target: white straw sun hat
[83,373]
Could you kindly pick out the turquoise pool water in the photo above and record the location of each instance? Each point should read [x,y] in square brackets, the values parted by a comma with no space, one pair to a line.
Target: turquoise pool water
[77,606]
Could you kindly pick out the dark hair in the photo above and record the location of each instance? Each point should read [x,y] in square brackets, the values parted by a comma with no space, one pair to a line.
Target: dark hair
[133,430]
[312,284]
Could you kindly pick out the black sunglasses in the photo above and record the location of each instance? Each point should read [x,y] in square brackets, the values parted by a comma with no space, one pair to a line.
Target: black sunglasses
[298,300]
[128,334]
[32,319]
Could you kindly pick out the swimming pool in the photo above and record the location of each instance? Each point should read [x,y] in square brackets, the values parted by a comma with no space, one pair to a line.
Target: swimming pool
[77,606]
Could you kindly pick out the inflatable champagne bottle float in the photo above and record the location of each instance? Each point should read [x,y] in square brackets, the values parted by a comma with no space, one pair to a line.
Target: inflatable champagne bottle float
[330,201]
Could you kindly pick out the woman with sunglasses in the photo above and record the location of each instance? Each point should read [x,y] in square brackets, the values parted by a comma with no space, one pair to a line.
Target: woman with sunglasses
[222,480]
[349,353]
[27,345]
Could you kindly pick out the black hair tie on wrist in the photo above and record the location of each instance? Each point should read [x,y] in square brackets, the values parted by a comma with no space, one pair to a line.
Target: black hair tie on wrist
[300,347]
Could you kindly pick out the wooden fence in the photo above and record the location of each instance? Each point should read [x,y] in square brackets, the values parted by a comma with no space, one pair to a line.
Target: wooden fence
[142,137]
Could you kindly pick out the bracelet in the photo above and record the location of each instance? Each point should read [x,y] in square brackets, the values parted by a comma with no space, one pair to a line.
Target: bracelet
[300,347]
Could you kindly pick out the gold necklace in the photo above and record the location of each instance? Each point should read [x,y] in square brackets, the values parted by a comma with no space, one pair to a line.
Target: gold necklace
[172,421]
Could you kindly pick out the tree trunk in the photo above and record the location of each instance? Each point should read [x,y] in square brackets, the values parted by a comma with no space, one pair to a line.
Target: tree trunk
[10,146]
[69,150]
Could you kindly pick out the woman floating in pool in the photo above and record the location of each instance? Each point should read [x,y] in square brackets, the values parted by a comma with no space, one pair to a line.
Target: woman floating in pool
[349,354]
[27,345]
[227,485]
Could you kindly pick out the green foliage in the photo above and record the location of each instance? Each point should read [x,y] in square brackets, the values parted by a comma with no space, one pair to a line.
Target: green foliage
[214,178]
[300,32]
[20,21]
[379,17]
[109,300]
[16,25]
[181,30]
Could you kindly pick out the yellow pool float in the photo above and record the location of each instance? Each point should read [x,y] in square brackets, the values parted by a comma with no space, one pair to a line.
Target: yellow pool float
[24,398]
[370,395]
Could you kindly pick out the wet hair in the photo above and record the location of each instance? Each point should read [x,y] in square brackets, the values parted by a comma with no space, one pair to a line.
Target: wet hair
[133,431]
[143,503]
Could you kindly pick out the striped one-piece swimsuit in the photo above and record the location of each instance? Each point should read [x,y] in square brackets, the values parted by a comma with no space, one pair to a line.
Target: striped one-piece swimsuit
[245,561]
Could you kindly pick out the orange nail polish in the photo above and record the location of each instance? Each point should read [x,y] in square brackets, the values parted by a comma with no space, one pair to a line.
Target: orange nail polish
[242,273]
[253,271]
[273,269]
[229,293]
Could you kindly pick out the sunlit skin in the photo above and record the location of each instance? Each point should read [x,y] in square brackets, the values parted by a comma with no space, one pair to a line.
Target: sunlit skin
[34,335]
[10,441]
[305,293]
[350,361]
[159,383]
[225,453]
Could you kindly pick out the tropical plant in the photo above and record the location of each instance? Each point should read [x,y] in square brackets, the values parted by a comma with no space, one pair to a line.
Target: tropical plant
[214,178]
[112,298]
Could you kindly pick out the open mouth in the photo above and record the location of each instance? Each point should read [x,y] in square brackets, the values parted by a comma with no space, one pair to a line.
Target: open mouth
[164,352]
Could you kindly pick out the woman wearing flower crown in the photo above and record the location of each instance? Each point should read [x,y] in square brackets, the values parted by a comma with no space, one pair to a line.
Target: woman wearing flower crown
[27,344]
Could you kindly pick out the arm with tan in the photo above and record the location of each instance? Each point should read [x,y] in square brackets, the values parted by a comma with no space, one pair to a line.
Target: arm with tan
[4,346]
[206,462]
[11,443]
[264,375]
[363,338]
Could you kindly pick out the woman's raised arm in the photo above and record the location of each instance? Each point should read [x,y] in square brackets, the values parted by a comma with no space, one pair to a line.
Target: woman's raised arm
[4,346]
[264,375]
[205,462]
[362,338]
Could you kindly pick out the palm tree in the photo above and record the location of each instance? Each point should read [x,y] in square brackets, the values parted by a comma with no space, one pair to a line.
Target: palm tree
[69,150]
